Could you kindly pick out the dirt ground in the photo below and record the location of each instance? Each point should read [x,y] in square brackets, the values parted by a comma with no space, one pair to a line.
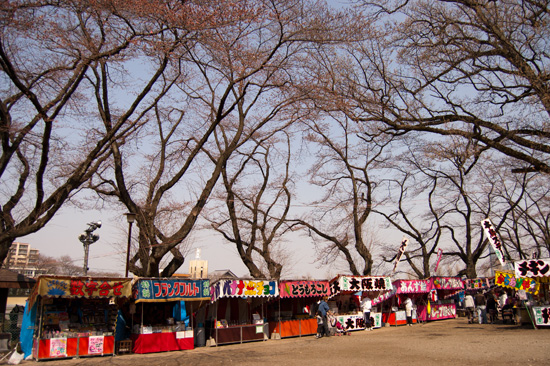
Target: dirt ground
[444,342]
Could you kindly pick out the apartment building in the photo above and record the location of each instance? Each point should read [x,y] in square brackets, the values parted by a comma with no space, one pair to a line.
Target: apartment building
[22,259]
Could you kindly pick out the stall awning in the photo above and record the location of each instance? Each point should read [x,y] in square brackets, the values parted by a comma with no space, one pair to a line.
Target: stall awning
[289,289]
[171,289]
[80,287]
[352,284]
[509,280]
[243,288]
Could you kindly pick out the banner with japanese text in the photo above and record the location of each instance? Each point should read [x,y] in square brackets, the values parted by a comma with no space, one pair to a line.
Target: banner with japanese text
[304,288]
[360,283]
[171,289]
[493,238]
[509,280]
[243,288]
[541,315]
[447,283]
[73,287]
[532,268]
[477,283]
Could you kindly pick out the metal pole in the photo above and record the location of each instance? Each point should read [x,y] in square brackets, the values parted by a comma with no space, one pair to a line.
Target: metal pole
[128,248]
[86,249]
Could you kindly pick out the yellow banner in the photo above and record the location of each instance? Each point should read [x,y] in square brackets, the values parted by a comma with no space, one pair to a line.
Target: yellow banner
[509,280]
[71,287]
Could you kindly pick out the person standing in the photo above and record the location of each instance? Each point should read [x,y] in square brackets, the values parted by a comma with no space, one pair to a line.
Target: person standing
[324,309]
[481,305]
[492,311]
[470,307]
[366,306]
[408,310]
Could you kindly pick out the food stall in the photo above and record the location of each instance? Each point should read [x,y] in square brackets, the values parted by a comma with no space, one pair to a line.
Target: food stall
[432,299]
[292,314]
[345,303]
[441,303]
[538,305]
[160,313]
[237,310]
[76,316]
[389,303]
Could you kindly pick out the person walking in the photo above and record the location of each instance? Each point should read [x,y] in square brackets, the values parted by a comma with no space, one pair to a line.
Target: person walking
[408,310]
[366,306]
[481,305]
[470,307]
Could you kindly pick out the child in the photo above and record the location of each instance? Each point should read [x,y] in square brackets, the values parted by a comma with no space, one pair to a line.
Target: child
[319,325]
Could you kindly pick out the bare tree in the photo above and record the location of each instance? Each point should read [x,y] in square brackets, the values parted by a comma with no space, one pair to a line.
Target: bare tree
[52,139]
[343,167]
[219,80]
[258,197]
[467,68]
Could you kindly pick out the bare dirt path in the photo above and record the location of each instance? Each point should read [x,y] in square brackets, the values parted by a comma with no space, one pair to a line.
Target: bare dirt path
[444,342]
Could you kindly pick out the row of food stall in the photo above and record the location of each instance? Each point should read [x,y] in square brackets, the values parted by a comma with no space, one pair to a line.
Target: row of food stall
[91,316]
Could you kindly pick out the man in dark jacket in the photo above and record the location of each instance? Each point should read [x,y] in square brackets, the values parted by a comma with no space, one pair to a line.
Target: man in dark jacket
[481,306]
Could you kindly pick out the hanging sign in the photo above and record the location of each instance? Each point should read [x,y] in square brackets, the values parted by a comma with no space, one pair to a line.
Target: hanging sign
[532,268]
[402,247]
[171,289]
[492,236]
[358,283]
[243,288]
[505,279]
[87,287]
[303,288]
[447,283]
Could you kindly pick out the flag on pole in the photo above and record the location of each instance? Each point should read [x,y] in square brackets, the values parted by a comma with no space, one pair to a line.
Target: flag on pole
[492,236]
[439,254]
[402,247]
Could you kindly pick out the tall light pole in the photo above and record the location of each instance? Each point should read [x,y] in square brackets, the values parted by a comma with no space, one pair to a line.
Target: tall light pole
[130,217]
[88,238]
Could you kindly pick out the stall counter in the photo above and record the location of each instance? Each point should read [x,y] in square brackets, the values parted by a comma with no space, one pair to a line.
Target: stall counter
[294,328]
[52,348]
[398,317]
[240,333]
[162,342]
[356,321]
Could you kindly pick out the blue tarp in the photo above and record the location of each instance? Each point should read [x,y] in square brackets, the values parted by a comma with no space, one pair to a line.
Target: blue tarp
[27,329]
[180,314]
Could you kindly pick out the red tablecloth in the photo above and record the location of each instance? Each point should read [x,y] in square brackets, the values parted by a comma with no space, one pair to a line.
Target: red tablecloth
[160,342]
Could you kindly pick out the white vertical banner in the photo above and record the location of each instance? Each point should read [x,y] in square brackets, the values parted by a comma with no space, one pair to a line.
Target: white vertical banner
[492,236]
[402,247]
